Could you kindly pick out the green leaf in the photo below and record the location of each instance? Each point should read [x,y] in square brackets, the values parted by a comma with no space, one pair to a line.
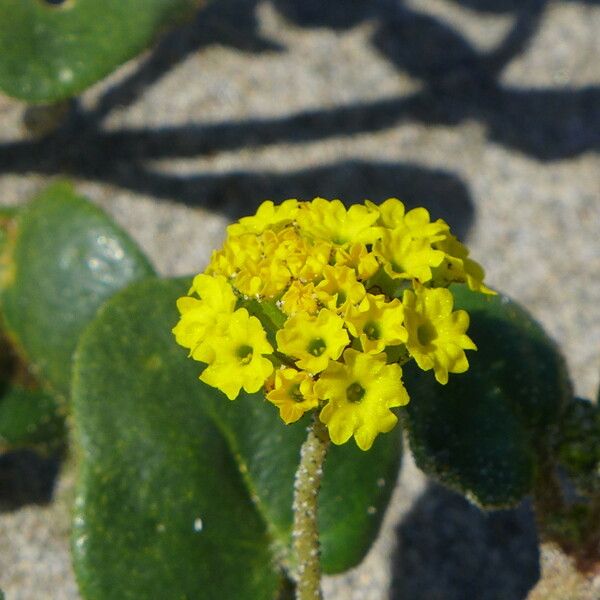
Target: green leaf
[64,258]
[7,218]
[161,508]
[29,417]
[356,484]
[481,433]
[158,447]
[52,50]
[578,444]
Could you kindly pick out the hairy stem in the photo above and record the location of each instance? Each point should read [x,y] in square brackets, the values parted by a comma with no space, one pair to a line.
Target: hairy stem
[306,532]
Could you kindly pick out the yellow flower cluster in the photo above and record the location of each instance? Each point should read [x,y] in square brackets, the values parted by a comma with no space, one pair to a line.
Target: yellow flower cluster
[320,305]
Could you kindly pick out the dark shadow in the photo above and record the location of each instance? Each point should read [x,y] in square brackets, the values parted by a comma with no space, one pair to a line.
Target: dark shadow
[79,149]
[339,15]
[550,125]
[505,6]
[492,6]
[459,83]
[444,194]
[448,549]
[424,46]
[27,478]
[431,50]
[227,22]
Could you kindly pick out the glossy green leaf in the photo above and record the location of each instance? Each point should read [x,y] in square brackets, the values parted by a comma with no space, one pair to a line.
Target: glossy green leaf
[64,258]
[161,508]
[356,485]
[482,431]
[29,416]
[52,50]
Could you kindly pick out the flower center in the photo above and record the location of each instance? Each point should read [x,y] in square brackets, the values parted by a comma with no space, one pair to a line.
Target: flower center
[372,330]
[317,346]
[396,267]
[355,392]
[426,333]
[244,353]
[296,394]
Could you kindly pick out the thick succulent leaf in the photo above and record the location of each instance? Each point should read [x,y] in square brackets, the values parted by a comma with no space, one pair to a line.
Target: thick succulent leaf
[53,49]
[7,214]
[29,418]
[481,432]
[7,218]
[64,257]
[535,372]
[578,444]
[161,510]
[356,485]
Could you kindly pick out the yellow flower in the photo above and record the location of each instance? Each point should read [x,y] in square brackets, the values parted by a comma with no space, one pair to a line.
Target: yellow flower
[377,323]
[409,254]
[299,297]
[391,212]
[361,392]
[237,356]
[195,320]
[236,253]
[458,267]
[321,219]
[199,317]
[215,292]
[339,289]
[318,254]
[255,264]
[357,257]
[267,277]
[313,340]
[436,336]
[406,242]
[293,394]
[287,247]
[312,271]
[267,216]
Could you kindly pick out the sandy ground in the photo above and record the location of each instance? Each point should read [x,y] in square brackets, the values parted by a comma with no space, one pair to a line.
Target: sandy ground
[485,111]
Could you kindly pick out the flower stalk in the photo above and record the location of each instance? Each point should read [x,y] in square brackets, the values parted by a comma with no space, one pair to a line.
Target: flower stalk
[306,532]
